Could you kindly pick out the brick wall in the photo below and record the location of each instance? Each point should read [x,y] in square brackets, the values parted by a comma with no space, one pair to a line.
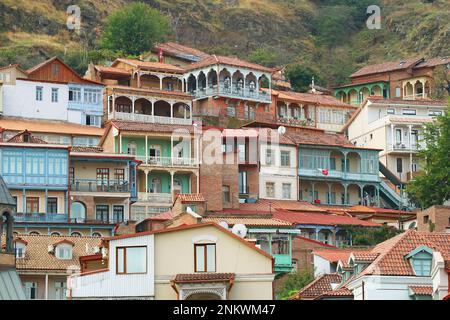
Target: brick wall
[439,216]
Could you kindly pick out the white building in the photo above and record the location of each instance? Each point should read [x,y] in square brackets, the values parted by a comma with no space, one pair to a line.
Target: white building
[396,126]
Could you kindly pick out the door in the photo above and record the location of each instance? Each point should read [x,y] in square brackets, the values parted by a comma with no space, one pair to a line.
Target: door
[154,154]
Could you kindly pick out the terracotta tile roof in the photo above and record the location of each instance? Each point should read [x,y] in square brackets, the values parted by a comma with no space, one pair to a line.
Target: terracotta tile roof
[178,50]
[148,127]
[235,62]
[366,209]
[321,219]
[365,255]
[162,216]
[422,290]
[87,149]
[417,102]
[247,221]
[20,137]
[119,71]
[318,137]
[311,98]
[341,292]
[319,286]
[386,67]
[292,205]
[191,197]
[391,253]
[333,255]
[37,256]
[204,277]
[150,65]
[48,126]
[433,62]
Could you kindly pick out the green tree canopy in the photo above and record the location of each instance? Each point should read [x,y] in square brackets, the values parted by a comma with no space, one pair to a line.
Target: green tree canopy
[432,186]
[134,29]
[363,236]
[264,56]
[295,281]
[300,77]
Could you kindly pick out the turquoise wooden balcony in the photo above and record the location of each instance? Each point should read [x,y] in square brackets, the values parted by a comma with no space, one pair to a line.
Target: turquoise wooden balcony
[283,263]
[339,175]
[40,217]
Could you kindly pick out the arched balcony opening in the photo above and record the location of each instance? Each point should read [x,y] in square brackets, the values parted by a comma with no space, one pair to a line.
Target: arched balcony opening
[181,110]
[238,82]
[123,104]
[282,110]
[264,82]
[251,83]
[342,96]
[191,83]
[353,194]
[225,80]
[352,96]
[149,81]
[142,106]
[353,162]
[408,91]
[418,89]
[336,161]
[325,236]
[171,84]
[212,78]
[337,194]
[201,81]
[376,91]
[321,193]
[162,108]
[294,111]
[363,93]
[370,195]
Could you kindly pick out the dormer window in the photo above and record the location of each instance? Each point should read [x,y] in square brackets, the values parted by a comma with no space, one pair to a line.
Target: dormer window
[421,260]
[64,250]
[20,248]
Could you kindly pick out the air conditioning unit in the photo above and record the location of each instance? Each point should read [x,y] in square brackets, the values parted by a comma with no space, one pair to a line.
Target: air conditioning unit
[51,249]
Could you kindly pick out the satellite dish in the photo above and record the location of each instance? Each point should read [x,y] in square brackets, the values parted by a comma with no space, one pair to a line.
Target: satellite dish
[223,224]
[240,230]
[281,130]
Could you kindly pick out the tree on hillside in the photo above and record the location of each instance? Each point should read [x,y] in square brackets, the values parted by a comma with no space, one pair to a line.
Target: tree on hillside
[134,29]
[441,76]
[295,281]
[264,56]
[363,236]
[300,77]
[432,187]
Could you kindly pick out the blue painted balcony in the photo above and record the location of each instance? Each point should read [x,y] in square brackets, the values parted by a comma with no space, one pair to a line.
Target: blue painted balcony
[339,175]
[40,217]
[92,185]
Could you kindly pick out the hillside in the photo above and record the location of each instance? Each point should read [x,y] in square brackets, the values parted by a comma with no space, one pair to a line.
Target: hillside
[328,35]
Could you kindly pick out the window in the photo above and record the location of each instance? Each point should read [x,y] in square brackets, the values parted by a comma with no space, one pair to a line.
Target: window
[39,93]
[64,251]
[270,157]
[226,194]
[426,219]
[398,136]
[75,234]
[32,204]
[75,94]
[270,189]
[332,163]
[434,113]
[96,234]
[131,260]
[102,213]
[286,190]
[398,92]
[92,121]
[55,69]
[409,112]
[91,96]
[243,187]
[280,244]
[52,205]
[421,261]
[102,176]
[390,111]
[119,175]
[77,211]
[20,249]
[54,94]
[231,111]
[118,213]
[285,158]
[205,257]
[131,148]
[399,165]
[72,174]
[31,290]
[60,290]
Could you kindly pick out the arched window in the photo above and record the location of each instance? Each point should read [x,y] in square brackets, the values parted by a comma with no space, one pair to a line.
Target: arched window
[398,92]
[54,233]
[34,233]
[96,234]
[75,234]
[78,211]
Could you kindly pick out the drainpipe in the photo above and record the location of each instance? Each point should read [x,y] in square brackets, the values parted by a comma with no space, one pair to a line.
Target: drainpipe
[363,289]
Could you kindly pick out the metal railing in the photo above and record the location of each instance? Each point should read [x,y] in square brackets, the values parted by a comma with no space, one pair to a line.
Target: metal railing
[168,161]
[40,217]
[155,197]
[90,185]
[125,116]
[233,91]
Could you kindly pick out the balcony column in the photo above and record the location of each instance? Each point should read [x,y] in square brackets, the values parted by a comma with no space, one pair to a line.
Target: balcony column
[146,181]
[46,201]
[120,143]
[190,110]
[114,105]
[361,188]
[329,193]
[133,99]
[153,111]
[316,231]
[288,110]
[313,191]
[160,82]
[345,194]
[171,111]
[377,192]
[172,173]
[197,175]
[423,88]
[139,79]
[146,149]
[24,201]
[182,85]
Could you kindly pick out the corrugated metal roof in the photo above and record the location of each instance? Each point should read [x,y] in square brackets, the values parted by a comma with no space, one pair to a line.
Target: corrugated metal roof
[5,196]
[11,286]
